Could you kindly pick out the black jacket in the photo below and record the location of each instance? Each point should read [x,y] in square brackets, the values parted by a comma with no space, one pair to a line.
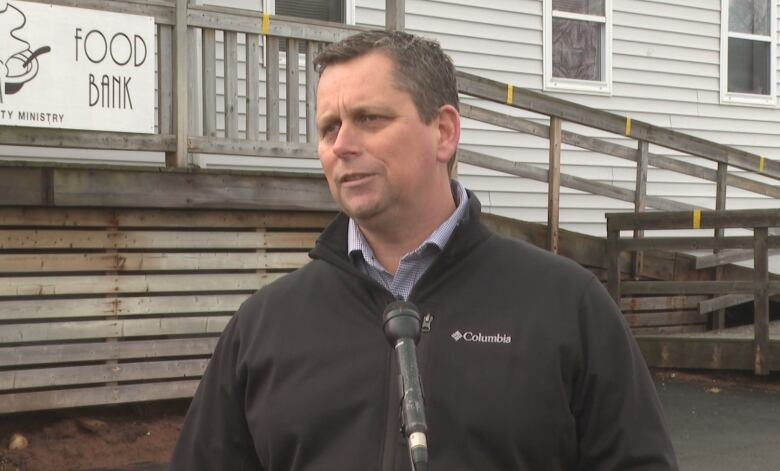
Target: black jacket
[526,365]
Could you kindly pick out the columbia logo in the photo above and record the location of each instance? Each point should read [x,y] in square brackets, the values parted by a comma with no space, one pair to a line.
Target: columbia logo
[480,338]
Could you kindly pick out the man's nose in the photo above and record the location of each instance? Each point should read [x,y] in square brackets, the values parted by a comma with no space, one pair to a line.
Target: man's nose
[347,143]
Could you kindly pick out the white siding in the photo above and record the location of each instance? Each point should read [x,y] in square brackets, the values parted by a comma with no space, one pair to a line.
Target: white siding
[665,71]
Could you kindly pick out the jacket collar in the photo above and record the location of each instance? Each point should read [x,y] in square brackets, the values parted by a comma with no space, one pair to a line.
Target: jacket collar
[331,246]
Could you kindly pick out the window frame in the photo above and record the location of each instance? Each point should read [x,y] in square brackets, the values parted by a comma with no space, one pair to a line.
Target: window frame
[594,87]
[737,98]
[269,6]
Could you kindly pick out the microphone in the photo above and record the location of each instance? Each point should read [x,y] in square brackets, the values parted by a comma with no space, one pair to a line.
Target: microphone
[402,329]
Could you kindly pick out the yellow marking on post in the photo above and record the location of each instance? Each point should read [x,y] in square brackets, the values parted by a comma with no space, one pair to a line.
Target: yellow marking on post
[510,94]
[266,23]
[628,126]
[697,218]
[761,164]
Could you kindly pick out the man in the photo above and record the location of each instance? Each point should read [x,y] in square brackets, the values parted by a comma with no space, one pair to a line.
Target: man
[525,361]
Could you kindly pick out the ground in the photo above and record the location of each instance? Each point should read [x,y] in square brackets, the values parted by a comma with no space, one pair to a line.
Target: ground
[121,437]
[91,438]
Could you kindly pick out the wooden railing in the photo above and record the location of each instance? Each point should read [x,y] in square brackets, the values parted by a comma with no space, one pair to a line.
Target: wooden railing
[294,35]
[560,110]
[179,25]
[728,292]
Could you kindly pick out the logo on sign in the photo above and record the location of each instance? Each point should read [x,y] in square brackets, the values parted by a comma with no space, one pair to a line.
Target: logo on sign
[18,61]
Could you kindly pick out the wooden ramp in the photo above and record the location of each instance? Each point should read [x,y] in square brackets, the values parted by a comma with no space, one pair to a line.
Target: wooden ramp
[758,288]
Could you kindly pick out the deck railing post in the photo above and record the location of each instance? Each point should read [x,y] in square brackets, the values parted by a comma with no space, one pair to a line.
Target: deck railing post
[311,92]
[613,264]
[252,87]
[180,93]
[554,185]
[194,111]
[165,78]
[209,60]
[292,99]
[230,64]
[719,316]
[395,15]
[761,302]
[272,88]
[640,202]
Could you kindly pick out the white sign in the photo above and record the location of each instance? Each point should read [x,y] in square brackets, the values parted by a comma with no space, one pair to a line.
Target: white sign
[63,67]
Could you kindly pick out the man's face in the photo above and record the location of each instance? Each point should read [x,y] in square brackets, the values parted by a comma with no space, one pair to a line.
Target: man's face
[378,155]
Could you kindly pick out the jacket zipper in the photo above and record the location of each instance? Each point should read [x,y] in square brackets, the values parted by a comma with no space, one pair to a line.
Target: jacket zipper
[423,359]
[426,323]
[392,419]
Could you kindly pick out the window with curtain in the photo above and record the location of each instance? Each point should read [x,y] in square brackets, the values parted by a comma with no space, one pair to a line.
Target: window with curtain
[577,44]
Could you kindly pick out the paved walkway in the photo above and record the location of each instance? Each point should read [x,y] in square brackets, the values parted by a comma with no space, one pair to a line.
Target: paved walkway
[733,429]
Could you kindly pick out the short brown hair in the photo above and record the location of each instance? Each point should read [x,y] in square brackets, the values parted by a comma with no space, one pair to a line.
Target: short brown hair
[422,69]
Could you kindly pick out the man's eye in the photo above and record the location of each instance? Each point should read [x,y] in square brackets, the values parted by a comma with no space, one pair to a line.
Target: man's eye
[371,118]
[330,130]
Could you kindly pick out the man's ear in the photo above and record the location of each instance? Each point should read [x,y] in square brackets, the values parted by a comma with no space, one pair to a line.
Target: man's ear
[448,123]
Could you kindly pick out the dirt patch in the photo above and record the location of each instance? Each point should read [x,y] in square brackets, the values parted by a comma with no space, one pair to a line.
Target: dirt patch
[112,437]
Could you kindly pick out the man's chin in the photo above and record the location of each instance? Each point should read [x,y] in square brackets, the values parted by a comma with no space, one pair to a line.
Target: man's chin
[360,215]
[361,212]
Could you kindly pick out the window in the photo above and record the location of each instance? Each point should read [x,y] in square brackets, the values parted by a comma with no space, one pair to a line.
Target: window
[747,51]
[337,11]
[578,45]
[328,10]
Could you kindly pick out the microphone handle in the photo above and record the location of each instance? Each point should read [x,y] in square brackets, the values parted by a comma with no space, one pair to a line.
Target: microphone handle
[412,406]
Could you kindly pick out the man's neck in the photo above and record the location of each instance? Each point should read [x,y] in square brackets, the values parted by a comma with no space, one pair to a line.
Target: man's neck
[391,240]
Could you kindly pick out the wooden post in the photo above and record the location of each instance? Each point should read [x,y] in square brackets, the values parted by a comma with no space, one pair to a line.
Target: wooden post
[181,91]
[395,15]
[311,92]
[292,100]
[554,185]
[230,63]
[252,87]
[720,196]
[613,264]
[719,316]
[272,89]
[165,78]
[194,112]
[761,302]
[209,60]
[640,202]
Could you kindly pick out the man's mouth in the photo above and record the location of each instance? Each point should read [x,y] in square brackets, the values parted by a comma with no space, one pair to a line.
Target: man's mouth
[353,177]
